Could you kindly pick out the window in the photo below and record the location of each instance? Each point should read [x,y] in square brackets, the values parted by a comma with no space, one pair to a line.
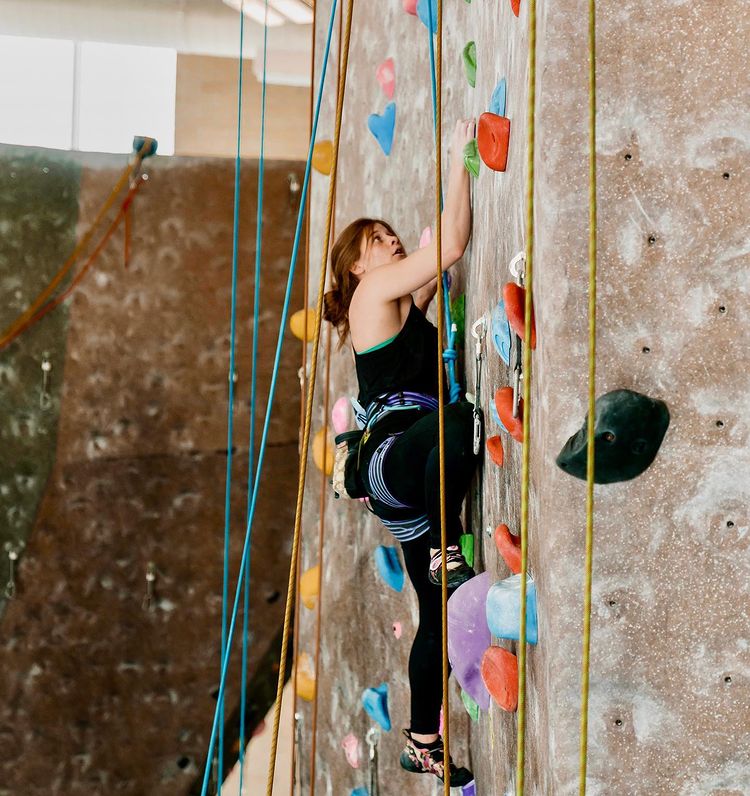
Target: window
[36,92]
[89,96]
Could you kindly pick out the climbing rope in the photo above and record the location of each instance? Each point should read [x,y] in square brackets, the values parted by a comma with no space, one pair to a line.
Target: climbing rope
[589,565]
[441,391]
[310,388]
[269,406]
[529,283]
[26,318]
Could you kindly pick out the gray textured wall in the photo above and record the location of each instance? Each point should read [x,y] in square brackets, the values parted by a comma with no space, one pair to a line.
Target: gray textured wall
[96,693]
[669,689]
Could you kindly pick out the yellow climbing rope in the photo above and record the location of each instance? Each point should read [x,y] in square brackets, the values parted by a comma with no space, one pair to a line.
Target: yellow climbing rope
[529,283]
[309,403]
[589,565]
[441,390]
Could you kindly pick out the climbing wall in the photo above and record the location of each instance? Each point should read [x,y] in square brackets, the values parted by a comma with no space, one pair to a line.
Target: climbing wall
[116,468]
[669,671]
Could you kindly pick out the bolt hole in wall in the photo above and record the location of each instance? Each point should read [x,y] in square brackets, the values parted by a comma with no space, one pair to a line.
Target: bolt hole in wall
[722,309]
[646,349]
[628,156]
[730,524]
[651,240]
[719,424]
[183,762]
[728,679]
[725,175]
[618,722]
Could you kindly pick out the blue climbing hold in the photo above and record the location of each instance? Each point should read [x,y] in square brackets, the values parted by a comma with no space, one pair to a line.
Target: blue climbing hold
[497,101]
[495,415]
[389,567]
[501,334]
[382,126]
[425,9]
[145,146]
[360,792]
[504,607]
[375,703]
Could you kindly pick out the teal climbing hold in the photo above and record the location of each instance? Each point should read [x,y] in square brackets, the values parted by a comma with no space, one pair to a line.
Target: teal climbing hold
[375,703]
[496,416]
[382,126]
[497,101]
[425,10]
[504,606]
[471,706]
[501,334]
[471,158]
[360,792]
[466,540]
[389,567]
[470,63]
[145,146]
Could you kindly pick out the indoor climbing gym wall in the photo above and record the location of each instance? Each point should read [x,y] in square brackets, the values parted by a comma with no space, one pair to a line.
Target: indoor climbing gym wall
[114,455]
[669,679]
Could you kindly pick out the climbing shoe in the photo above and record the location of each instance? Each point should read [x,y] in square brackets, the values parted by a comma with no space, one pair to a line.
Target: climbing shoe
[458,570]
[428,759]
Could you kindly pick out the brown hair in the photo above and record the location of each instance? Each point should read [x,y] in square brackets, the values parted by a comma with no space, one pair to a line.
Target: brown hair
[344,254]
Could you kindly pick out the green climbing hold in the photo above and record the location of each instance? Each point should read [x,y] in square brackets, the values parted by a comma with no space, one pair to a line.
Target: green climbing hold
[471,706]
[458,315]
[466,540]
[470,63]
[471,158]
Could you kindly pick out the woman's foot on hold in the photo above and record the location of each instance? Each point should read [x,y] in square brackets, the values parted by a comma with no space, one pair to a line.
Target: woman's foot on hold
[428,758]
[458,570]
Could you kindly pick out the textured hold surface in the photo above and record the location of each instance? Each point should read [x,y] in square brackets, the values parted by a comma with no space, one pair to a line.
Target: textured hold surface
[504,609]
[471,706]
[509,547]
[308,586]
[323,451]
[340,415]
[469,56]
[322,159]
[389,567]
[350,745]
[514,298]
[382,125]
[501,335]
[466,541]
[516,7]
[500,676]
[375,703]
[427,11]
[493,139]
[469,636]
[302,324]
[471,158]
[305,678]
[495,450]
[497,100]
[504,406]
[386,77]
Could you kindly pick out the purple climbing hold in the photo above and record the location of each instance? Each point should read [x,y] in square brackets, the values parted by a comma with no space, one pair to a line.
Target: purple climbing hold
[469,636]
[375,703]
[382,126]
[470,789]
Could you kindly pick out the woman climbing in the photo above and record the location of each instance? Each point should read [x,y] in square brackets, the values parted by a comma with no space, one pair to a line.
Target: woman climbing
[378,298]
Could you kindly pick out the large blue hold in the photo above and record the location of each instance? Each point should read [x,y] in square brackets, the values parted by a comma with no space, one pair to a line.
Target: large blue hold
[501,334]
[504,609]
[389,567]
[497,101]
[375,703]
[425,8]
[382,126]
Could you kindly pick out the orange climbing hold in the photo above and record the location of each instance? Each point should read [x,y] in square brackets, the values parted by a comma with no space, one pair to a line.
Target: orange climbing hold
[504,406]
[495,449]
[323,446]
[500,676]
[514,297]
[322,159]
[308,586]
[493,137]
[516,6]
[509,547]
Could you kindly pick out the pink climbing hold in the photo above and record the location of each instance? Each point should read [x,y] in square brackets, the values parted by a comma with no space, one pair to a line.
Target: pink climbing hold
[340,415]
[350,745]
[397,629]
[425,239]
[410,6]
[386,76]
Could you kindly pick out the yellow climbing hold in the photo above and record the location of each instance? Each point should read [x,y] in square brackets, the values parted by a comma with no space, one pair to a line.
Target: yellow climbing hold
[305,678]
[319,445]
[308,586]
[322,158]
[297,324]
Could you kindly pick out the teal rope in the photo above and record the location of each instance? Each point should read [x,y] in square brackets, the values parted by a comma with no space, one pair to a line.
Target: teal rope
[253,393]
[271,394]
[449,353]
[230,408]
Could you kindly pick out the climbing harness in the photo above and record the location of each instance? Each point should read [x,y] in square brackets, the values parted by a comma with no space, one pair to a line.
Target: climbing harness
[478,331]
[517,270]
[589,564]
[373,739]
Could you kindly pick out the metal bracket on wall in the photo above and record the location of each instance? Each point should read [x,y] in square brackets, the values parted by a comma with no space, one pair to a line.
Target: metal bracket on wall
[12,551]
[45,398]
[478,331]
[148,603]
[373,738]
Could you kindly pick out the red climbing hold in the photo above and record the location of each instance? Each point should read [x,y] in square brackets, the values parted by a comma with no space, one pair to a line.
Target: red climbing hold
[516,6]
[514,297]
[504,406]
[500,676]
[495,449]
[509,547]
[493,137]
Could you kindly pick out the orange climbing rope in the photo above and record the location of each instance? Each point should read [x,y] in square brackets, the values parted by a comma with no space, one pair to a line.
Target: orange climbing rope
[529,283]
[441,390]
[26,318]
[309,403]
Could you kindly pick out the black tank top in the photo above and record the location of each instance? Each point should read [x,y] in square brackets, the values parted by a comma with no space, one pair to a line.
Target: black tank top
[406,363]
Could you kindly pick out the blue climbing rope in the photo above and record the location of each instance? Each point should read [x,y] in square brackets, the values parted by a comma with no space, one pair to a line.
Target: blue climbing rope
[230,411]
[450,355]
[271,393]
